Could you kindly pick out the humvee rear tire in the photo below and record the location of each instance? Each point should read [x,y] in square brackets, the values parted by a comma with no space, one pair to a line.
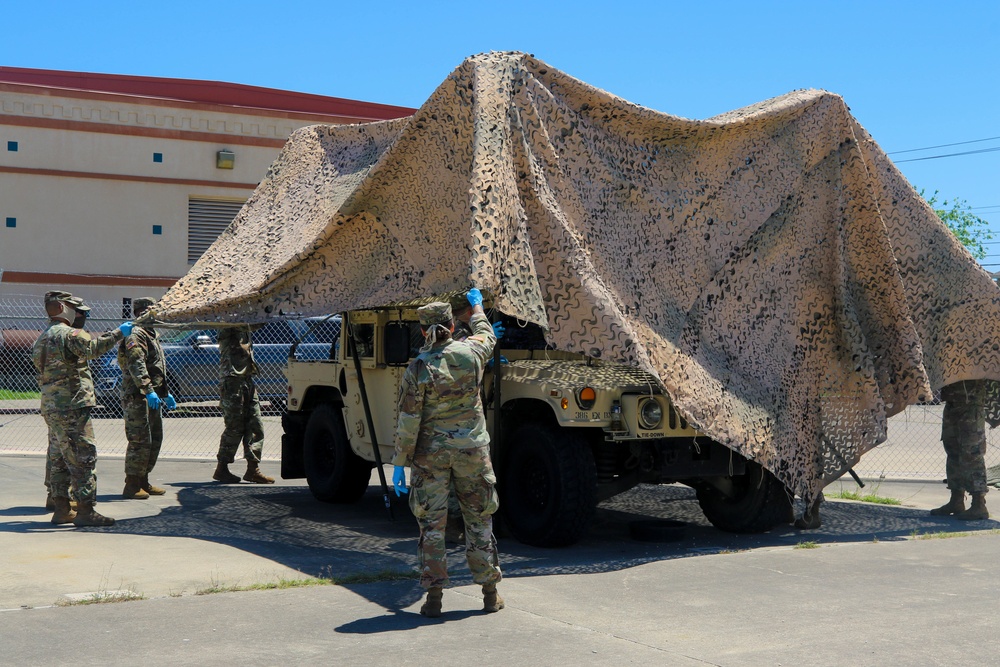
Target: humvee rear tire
[334,472]
[759,502]
[548,485]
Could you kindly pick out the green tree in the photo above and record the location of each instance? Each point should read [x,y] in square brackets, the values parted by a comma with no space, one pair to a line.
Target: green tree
[971,230]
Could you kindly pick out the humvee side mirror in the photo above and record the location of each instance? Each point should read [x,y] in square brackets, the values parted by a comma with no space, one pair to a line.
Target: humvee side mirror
[397,344]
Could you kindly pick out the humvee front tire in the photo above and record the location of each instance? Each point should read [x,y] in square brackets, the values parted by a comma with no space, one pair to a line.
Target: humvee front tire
[334,472]
[548,484]
[756,502]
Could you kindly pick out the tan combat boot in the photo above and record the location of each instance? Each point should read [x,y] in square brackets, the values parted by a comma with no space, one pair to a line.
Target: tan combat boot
[223,475]
[492,601]
[63,513]
[133,488]
[254,474]
[431,608]
[953,506]
[51,506]
[88,516]
[977,511]
[149,488]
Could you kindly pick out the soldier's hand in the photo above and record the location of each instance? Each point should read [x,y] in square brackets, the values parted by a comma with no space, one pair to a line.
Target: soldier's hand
[399,480]
[153,401]
[126,328]
[475,297]
[170,402]
[499,330]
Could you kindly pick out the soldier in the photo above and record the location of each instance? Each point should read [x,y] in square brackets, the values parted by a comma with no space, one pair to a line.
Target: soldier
[240,407]
[963,433]
[461,312]
[144,388]
[60,355]
[442,436]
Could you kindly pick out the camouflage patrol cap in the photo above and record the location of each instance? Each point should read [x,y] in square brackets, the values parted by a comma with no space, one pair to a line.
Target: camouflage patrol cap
[459,302]
[66,297]
[434,313]
[141,304]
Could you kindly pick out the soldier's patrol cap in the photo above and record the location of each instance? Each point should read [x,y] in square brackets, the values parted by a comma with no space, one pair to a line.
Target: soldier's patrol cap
[66,297]
[434,313]
[142,304]
[459,302]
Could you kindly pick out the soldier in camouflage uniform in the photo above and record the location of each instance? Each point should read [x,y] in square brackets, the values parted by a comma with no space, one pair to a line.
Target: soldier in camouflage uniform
[240,407]
[442,436]
[963,433]
[60,355]
[144,388]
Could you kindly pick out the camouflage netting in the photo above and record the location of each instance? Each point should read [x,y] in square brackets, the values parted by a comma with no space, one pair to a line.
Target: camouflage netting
[771,265]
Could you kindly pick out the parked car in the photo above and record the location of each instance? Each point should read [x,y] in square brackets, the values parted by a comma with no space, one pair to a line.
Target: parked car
[193,360]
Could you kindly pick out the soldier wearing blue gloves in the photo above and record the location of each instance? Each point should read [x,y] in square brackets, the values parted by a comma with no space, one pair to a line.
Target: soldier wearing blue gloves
[60,356]
[144,390]
[442,436]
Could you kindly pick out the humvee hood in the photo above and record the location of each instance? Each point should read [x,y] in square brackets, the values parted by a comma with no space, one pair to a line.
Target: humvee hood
[771,266]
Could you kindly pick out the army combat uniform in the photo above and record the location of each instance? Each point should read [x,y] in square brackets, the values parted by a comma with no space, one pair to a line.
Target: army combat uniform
[963,434]
[240,407]
[441,434]
[60,356]
[144,370]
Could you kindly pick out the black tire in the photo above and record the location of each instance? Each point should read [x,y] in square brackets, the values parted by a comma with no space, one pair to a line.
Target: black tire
[548,485]
[334,472]
[759,502]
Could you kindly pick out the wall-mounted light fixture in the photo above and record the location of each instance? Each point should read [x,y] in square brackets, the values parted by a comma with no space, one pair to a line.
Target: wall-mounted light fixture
[225,159]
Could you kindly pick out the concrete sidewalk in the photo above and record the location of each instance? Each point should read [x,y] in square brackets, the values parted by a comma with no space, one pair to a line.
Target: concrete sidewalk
[869,594]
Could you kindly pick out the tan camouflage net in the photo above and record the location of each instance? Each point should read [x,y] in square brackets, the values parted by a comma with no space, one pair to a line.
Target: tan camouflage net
[771,265]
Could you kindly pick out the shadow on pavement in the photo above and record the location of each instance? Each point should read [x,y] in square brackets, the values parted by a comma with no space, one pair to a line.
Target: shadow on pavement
[285,524]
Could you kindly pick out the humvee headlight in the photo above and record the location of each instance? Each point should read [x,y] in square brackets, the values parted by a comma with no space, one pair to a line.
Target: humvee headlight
[586,397]
[650,413]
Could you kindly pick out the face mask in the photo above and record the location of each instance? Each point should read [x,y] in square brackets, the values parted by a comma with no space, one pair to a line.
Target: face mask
[80,320]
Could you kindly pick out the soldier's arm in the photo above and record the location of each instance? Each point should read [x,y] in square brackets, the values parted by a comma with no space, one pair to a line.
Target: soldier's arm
[135,355]
[411,407]
[482,340]
[83,345]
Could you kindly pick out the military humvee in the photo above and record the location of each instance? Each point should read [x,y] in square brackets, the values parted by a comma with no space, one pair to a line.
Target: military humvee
[568,432]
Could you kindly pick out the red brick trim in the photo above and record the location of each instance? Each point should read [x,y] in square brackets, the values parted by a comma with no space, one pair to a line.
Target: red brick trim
[125,177]
[84,279]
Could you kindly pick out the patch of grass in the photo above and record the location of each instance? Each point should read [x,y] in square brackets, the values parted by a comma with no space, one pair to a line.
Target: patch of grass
[870,497]
[104,597]
[807,545]
[944,535]
[733,551]
[11,395]
[360,578]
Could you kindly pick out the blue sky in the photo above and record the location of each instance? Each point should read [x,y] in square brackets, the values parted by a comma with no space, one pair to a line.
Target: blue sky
[916,74]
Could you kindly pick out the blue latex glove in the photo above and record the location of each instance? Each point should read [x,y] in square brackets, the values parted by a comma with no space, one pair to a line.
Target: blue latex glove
[489,364]
[399,480]
[170,402]
[126,328]
[499,330]
[475,297]
[153,401]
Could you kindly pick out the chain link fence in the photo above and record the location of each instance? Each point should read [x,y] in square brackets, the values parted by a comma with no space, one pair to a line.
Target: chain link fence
[190,431]
[912,451]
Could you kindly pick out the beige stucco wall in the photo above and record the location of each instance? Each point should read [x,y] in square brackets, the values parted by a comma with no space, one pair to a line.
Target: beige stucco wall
[85,202]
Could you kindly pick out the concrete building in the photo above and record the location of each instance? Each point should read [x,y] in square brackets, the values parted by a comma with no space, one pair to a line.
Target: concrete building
[112,186]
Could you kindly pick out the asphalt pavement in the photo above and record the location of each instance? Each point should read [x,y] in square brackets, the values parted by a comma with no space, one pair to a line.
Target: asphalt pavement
[875,585]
